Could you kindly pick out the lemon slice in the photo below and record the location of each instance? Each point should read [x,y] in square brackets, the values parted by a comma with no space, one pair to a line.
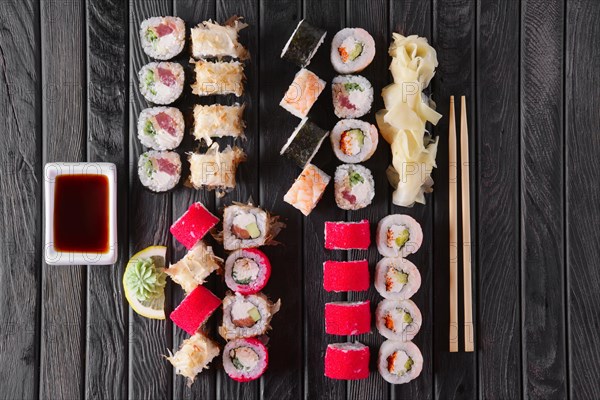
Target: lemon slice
[144,282]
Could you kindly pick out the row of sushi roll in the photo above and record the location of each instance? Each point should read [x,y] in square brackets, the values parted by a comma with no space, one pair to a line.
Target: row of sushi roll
[218,66]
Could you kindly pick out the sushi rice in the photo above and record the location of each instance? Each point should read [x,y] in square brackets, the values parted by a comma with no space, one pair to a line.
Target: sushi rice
[397,278]
[398,320]
[162,38]
[246,316]
[398,235]
[245,360]
[352,50]
[159,171]
[161,83]
[161,128]
[354,141]
[399,362]
[352,96]
[354,187]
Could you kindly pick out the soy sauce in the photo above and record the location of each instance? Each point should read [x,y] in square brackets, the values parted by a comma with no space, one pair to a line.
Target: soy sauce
[81,213]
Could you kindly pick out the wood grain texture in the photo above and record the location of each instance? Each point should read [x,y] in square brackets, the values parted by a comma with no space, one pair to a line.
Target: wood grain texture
[542,190]
[453,39]
[149,221]
[106,362]
[373,17]
[498,202]
[583,218]
[414,18]
[63,331]
[20,209]
[283,379]
[329,16]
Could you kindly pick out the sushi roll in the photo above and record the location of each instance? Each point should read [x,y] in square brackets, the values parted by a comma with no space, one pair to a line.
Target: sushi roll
[353,140]
[352,96]
[159,171]
[304,143]
[302,93]
[212,40]
[346,276]
[245,360]
[246,226]
[354,187]
[352,50]
[347,361]
[215,170]
[347,235]
[307,189]
[218,78]
[161,128]
[303,44]
[247,271]
[193,225]
[162,38]
[348,318]
[195,309]
[246,316]
[161,83]
[398,319]
[397,278]
[399,362]
[194,355]
[217,120]
[194,267]
[398,235]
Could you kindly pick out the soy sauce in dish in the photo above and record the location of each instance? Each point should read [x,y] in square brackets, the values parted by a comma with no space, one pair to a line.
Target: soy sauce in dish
[81,213]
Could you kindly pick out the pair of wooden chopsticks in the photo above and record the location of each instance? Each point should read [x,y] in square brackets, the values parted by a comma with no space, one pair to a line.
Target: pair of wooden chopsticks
[466,228]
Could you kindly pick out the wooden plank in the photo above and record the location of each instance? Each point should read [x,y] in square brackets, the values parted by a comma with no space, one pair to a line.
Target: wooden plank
[373,17]
[331,17]
[63,331]
[283,379]
[20,208]
[542,215]
[583,218]
[498,202]
[192,12]
[106,356]
[149,221]
[453,39]
[414,18]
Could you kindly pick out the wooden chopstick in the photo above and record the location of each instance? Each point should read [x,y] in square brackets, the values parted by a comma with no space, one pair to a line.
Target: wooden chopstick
[466,225]
[453,234]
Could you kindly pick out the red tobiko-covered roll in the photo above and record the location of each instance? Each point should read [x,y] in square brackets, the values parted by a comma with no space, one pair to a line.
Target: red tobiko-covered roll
[193,225]
[347,361]
[346,276]
[348,318]
[195,309]
[347,235]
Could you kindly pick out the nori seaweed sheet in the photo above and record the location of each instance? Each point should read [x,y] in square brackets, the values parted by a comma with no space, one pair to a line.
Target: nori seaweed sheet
[306,143]
[303,43]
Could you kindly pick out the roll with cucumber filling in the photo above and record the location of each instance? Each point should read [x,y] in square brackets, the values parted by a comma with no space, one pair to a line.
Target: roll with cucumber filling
[161,83]
[247,271]
[352,96]
[354,141]
[398,236]
[398,319]
[247,226]
[397,278]
[399,362]
[246,316]
[352,50]
[354,187]
[245,359]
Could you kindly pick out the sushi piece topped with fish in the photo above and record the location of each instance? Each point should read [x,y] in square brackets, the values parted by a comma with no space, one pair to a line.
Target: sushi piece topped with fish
[161,83]
[161,128]
[302,93]
[354,187]
[246,316]
[307,189]
[398,235]
[352,96]
[215,170]
[354,141]
[247,226]
[245,360]
[159,171]
[212,40]
[399,362]
[162,38]
[352,50]
[304,143]
[303,44]
[398,320]
[397,278]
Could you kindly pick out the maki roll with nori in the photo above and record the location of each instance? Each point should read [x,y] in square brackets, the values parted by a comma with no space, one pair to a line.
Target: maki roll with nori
[246,316]
[245,360]
[159,171]
[304,143]
[161,83]
[352,96]
[352,50]
[353,140]
[161,128]
[399,362]
[303,44]
[398,235]
[162,38]
[247,271]
[398,319]
[397,278]
[354,187]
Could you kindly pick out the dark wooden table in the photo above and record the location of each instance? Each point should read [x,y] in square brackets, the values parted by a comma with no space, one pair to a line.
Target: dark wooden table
[530,69]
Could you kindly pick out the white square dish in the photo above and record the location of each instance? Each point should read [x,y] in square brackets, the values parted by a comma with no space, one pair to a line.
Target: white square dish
[52,255]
